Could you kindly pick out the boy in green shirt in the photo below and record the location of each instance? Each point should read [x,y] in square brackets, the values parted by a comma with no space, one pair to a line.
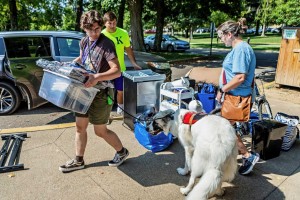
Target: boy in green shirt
[121,40]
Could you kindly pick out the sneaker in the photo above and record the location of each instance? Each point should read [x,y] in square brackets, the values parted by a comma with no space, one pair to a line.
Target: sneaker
[119,111]
[248,163]
[71,165]
[118,159]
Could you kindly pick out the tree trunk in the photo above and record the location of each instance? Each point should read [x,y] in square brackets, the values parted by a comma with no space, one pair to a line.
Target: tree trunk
[186,33]
[160,7]
[79,10]
[137,36]
[263,30]
[121,14]
[257,27]
[13,15]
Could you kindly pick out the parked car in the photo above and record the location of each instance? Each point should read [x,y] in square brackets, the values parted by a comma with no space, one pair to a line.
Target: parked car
[149,31]
[169,43]
[20,78]
[250,31]
[275,30]
[202,30]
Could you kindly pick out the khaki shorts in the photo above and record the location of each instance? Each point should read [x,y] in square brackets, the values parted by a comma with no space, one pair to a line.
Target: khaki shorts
[99,111]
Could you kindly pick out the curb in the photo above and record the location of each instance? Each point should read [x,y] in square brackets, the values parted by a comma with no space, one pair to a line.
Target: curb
[37,128]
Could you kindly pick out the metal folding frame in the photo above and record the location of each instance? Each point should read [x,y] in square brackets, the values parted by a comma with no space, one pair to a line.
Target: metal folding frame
[11,151]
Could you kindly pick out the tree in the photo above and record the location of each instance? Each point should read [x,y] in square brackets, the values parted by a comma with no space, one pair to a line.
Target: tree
[286,12]
[4,19]
[263,13]
[121,13]
[137,36]
[218,17]
[79,11]
[13,13]
[160,20]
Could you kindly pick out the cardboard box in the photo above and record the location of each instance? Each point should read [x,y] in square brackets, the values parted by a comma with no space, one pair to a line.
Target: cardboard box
[204,74]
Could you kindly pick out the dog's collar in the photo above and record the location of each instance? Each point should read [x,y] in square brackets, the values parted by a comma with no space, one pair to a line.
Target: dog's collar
[192,117]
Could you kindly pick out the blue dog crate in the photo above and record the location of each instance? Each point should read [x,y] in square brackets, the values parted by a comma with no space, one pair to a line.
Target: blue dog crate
[208,101]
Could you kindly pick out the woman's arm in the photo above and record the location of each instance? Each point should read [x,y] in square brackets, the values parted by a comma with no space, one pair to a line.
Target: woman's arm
[235,82]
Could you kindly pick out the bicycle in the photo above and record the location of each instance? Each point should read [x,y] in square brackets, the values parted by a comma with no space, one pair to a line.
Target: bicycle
[261,105]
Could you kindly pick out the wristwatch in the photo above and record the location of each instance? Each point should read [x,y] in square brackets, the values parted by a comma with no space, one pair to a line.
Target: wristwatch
[220,90]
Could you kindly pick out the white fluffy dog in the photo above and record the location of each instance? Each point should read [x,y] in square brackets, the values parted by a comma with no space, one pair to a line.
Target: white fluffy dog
[210,151]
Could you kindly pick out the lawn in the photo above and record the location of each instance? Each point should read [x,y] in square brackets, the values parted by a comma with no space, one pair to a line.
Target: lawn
[269,42]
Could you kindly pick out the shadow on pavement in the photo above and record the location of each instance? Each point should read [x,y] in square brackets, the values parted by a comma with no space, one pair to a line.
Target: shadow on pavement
[152,169]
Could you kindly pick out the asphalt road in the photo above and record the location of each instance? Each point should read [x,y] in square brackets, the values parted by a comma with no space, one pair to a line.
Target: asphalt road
[49,114]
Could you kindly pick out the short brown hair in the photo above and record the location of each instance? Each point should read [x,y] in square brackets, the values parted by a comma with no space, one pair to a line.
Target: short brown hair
[89,18]
[109,16]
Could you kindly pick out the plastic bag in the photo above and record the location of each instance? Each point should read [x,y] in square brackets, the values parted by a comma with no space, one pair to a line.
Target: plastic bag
[69,69]
[151,142]
[291,133]
[207,88]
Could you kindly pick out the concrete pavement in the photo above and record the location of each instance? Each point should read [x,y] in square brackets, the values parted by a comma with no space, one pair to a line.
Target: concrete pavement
[144,175]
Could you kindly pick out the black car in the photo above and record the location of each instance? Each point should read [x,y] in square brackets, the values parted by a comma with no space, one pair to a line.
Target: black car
[20,78]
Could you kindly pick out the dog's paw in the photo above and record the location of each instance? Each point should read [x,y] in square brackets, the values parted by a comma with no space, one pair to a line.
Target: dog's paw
[182,171]
[184,191]
[220,192]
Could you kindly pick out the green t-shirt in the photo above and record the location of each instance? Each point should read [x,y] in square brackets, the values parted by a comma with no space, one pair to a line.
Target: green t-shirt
[121,40]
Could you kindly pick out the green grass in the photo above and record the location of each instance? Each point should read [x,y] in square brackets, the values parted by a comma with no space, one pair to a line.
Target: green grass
[269,42]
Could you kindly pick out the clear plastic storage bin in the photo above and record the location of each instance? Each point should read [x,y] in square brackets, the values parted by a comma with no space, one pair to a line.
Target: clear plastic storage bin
[66,93]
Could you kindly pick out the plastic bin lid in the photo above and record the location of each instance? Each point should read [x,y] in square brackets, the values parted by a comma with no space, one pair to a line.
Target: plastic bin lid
[143,75]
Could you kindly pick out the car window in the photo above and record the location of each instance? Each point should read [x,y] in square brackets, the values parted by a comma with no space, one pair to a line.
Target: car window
[150,37]
[2,52]
[42,45]
[68,47]
[172,38]
[27,47]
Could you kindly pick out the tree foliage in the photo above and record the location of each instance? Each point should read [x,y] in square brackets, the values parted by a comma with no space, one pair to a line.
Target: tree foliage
[286,12]
[137,15]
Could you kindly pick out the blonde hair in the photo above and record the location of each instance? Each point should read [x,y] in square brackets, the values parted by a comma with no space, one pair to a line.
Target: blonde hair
[236,28]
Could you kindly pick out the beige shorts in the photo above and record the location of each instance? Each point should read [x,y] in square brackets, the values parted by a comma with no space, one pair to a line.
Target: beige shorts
[99,111]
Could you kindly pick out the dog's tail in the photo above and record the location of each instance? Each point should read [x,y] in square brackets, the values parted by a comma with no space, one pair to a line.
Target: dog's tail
[208,183]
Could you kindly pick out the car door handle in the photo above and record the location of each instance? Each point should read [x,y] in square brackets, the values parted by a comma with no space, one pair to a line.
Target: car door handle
[20,66]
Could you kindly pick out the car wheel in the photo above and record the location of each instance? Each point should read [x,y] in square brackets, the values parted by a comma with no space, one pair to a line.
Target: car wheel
[170,48]
[147,47]
[9,98]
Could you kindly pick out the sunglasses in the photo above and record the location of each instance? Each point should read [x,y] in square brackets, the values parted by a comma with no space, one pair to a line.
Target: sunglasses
[220,34]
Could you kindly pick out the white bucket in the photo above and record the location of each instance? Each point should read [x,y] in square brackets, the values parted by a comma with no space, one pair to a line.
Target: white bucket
[182,82]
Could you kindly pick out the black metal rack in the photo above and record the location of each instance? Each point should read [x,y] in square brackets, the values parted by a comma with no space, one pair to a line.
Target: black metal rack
[10,152]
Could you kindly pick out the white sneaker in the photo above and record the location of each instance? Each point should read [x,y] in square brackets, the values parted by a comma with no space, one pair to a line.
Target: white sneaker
[119,110]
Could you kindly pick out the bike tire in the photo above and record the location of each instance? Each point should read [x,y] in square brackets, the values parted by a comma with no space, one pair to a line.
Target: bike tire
[264,108]
[242,128]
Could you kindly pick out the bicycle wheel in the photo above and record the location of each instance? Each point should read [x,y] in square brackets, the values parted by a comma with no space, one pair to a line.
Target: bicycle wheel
[264,110]
[242,128]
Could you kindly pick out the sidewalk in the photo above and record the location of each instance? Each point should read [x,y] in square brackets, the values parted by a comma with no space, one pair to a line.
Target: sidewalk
[144,175]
